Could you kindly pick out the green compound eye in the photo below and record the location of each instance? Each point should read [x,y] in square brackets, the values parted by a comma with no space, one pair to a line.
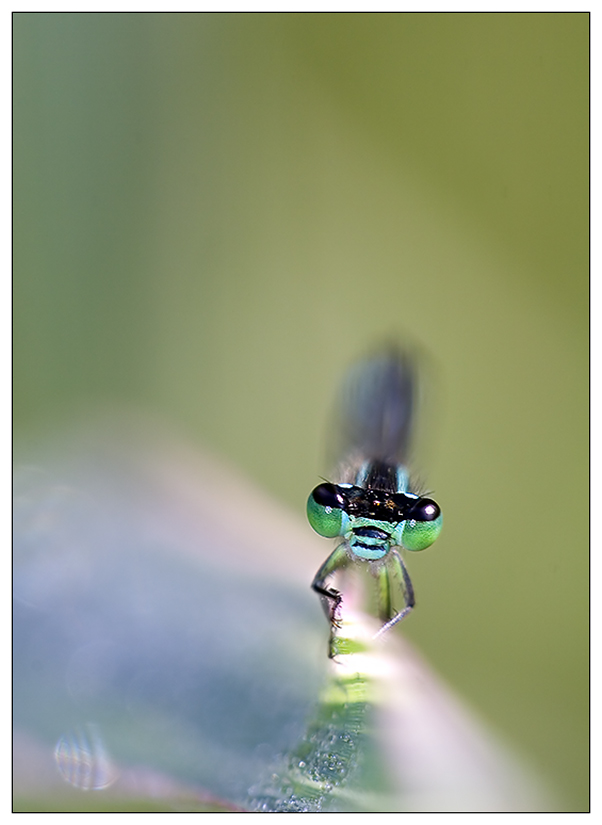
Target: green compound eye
[422,526]
[325,511]
[418,535]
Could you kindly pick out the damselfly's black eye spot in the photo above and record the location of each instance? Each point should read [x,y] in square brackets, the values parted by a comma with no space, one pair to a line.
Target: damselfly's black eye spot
[325,511]
[328,495]
[425,509]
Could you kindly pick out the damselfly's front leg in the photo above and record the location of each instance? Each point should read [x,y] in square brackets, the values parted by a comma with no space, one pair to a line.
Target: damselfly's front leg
[330,597]
[394,567]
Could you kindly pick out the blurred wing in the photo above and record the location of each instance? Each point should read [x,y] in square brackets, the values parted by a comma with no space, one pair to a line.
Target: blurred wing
[375,409]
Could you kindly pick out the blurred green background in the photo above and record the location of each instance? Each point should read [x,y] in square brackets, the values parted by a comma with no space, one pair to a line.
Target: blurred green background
[215,213]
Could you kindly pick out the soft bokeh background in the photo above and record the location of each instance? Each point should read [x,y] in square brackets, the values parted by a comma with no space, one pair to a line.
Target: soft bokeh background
[215,213]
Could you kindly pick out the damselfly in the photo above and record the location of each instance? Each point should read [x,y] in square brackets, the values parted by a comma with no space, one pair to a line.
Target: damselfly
[372,507]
